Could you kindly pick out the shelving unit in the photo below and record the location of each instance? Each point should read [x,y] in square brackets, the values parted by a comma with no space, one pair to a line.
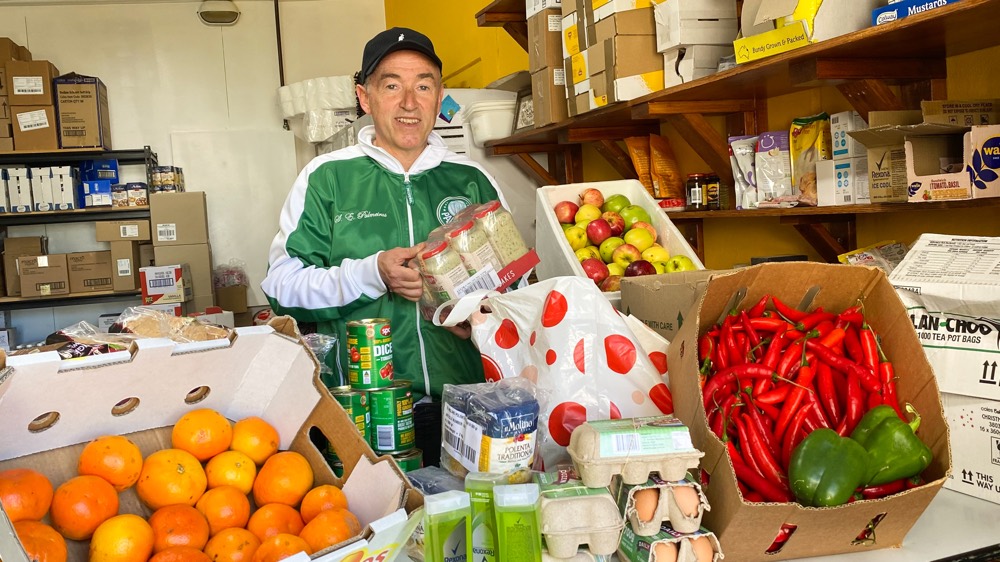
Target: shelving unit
[142,156]
[863,65]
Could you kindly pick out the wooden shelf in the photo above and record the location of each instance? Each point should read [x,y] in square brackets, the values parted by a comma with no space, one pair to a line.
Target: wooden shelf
[874,208]
[508,14]
[97,297]
[77,215]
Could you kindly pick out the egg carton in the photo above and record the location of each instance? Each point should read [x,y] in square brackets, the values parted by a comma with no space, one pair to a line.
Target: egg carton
[633,448]
[573,515]
[582,555]
[646,515]
[670,545]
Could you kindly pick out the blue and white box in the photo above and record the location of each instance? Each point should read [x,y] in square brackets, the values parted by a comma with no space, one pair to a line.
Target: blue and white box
[65,186]
[842,182]
[41,188]
[844,145]
[95,193]
[899,10]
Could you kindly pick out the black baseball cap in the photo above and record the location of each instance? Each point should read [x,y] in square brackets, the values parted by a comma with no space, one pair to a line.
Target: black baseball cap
[392,40]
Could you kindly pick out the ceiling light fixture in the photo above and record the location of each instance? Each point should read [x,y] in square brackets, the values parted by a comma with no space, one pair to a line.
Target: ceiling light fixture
[218,12]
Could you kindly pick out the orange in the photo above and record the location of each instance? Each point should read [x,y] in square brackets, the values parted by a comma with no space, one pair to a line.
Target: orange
[171,476]
[180,554]
[41,542]
[231,468]
[232,545]
[113,458]
[275,518]
[224,507]
[280,547]
[123,538]
[82,503]
[178,525]
[203,432]
[330,527]
[25,494]
[256,438]
[284,478]
[321,498]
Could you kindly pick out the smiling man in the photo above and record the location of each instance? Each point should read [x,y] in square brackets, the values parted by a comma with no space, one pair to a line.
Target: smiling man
[356,218]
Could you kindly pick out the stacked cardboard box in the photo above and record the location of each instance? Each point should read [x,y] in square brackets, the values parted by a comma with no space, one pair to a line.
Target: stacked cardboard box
[13,249]
[9,51]
[180,236]
[884,141]
[545,63]
[693,36]
[844,180]
[32,104]
[127,239]
[579,98]
[623,61]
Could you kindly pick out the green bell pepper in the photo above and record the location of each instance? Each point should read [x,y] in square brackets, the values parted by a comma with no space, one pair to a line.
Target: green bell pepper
[826,468]
[894,450]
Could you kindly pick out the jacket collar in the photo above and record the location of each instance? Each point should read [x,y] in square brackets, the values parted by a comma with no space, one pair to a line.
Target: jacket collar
[432,155]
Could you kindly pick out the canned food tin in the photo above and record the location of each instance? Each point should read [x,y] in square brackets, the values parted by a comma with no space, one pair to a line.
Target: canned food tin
[410,460]
[392,418]
[355,403]
[337,466]
[369,348]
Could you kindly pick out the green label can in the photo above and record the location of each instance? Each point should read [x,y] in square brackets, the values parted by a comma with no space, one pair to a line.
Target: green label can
[355,403]
[392,418]
[369,349]
[410,460]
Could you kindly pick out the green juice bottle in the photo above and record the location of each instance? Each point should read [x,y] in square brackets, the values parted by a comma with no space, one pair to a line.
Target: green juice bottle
[445,518]
[481,533]
[518,527]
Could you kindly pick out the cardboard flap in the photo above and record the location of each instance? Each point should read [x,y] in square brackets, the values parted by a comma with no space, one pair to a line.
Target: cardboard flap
[771,10]
[373,491]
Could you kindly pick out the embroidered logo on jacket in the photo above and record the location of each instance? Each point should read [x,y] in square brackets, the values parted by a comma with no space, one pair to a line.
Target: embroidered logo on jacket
[451,206]
[360,215]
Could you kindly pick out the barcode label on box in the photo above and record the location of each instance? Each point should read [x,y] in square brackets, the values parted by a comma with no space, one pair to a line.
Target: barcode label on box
[157,283]
[128,231]
[72,133]
[625,443]
[124,267]
[32,120]
[385,438]
[558,76]
[484,279]
[166,232]
[27,85]
[555,22]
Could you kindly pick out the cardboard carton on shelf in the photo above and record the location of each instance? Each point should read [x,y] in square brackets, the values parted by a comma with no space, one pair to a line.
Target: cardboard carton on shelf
[179,219]
[82,106]
[964,113]
[548,96]
[232,298]
[14,248]
[944,162]
[260,371]
[122,231]
[90,271]
[691,63]
[885,144]
[30,82]
[34,127]
[747,529]
[165,284]
[545,40]
[630,22]
[791,25]
[952,297]
[842,182]
[43,276]
[682,23]
[899,9]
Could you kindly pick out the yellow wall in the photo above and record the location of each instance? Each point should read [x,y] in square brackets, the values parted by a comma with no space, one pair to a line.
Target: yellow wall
[490,54]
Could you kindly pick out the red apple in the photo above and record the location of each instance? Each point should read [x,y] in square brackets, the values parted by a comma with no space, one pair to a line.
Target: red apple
[598,230]
[592,196]
[616,221]
[566,212]
[595,269]
[639,267]
[611,284]
[625,254]
[647,226]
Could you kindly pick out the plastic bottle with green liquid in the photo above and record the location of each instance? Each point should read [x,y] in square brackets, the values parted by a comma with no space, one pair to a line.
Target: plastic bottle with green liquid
[518,528]
[445,517]
[481,532]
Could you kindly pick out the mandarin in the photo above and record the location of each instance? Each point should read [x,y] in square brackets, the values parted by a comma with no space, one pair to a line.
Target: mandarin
[40,542]
[224,507]
[279,547]
[321,498]
[82,503]
[275,518]
[25,494]
[231,468]
[256,438]
[180,554]
[285,478]
[203,432]
[232,545]
[123,538]
[113,458]
[330,527]
[171,476]
[178,525]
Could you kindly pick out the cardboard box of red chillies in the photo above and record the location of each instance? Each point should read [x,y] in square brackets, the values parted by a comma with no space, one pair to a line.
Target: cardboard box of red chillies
[795,364]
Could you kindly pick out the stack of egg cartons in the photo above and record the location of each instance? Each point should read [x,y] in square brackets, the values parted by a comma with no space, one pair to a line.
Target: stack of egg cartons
[645,461]
[693,36]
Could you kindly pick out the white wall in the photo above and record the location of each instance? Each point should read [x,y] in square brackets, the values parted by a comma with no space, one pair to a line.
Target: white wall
[176,84]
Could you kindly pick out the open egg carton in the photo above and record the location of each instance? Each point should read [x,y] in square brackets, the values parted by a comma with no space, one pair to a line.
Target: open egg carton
[646,506]
[573,515]
[670,545]
[633,448]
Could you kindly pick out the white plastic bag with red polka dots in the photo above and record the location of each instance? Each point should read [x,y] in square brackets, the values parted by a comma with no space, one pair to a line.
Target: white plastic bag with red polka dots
[565,336]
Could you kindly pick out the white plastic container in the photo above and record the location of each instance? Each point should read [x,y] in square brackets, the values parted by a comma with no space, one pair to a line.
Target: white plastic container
[490,119]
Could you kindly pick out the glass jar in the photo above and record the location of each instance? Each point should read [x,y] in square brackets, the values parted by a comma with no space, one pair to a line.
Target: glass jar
[443,270]
[696,192]
[474,247]
[502,232]
[713,192]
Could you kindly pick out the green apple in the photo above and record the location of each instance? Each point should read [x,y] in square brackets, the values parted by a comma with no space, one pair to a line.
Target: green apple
[655,253]
[577,237]
[615,203]
[608,247]
[565,226]
[680,263]
[615,269]
[640,238]
[588,252]
[660,266]
[588,213]
[633,214]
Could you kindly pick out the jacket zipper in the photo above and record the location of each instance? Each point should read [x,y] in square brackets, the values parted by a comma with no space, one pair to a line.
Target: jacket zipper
[416,306]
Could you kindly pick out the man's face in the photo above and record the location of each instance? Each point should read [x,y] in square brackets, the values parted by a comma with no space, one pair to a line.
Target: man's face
[403,96]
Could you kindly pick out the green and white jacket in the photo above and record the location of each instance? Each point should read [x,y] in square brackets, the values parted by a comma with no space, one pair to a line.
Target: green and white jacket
[343,210]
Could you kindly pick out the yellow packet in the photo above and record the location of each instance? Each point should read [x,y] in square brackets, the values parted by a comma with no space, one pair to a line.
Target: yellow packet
[667,182]
[638,150]
[809,142]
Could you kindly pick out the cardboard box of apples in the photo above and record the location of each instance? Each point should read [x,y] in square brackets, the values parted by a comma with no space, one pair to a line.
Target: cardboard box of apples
[606,231]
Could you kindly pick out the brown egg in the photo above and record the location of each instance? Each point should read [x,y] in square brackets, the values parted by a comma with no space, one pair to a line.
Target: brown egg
[664,552]
[703,551]
[645,503]
[687,499]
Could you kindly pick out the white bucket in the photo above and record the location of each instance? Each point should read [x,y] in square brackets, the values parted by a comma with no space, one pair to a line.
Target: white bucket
[490,120]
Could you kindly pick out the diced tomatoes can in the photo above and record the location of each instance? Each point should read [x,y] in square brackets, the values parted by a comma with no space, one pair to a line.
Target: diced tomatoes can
[410,460]
[355,403]
[392,418]
[369,348]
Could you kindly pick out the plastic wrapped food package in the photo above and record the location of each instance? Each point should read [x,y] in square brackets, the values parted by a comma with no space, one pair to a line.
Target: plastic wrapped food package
[151,323]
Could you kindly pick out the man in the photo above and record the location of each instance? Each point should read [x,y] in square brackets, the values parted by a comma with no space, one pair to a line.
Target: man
[355,218]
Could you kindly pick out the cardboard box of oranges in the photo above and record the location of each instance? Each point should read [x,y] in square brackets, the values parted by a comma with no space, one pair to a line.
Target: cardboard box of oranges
[51,409]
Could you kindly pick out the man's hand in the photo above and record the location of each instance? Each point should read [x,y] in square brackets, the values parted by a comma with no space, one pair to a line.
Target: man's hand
[397,274]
